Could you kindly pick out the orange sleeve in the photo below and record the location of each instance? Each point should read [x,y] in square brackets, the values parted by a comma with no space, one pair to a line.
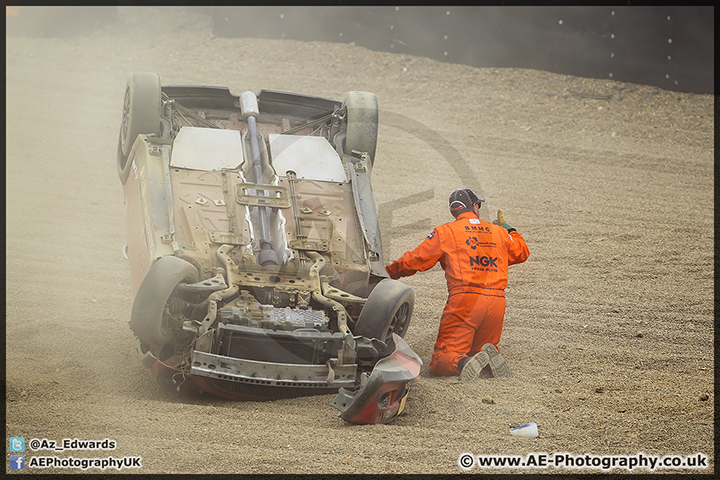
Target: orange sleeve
[422,258]
[517,248]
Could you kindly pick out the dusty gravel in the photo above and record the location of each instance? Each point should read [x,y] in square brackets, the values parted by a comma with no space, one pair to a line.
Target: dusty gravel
[609,326]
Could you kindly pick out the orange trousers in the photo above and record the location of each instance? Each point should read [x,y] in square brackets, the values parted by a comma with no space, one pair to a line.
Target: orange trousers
[469,321]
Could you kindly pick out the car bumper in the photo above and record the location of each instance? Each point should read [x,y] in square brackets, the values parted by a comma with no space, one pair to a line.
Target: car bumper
[379,399]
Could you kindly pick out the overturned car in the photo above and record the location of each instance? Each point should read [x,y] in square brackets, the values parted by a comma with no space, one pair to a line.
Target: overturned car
[254,247]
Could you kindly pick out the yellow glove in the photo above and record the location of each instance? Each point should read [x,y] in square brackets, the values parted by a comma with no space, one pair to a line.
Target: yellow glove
[501,221]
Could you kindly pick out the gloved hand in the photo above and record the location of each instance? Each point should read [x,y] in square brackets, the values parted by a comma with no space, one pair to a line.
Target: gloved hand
[501,221]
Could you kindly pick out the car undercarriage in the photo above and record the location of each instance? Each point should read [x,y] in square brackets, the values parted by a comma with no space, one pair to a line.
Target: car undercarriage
[254,247]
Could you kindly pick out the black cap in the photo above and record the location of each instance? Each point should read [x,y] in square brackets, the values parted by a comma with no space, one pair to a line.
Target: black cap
[462,200]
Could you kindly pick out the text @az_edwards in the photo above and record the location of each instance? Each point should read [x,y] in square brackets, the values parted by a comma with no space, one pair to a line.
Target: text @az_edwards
[71,444]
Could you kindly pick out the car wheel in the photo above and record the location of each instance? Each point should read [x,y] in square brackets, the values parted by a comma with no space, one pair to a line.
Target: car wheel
[362,123]
[387,310]
[141,115]
[149,320]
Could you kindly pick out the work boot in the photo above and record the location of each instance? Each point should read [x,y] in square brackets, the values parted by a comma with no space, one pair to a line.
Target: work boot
[472,369]
[498,366]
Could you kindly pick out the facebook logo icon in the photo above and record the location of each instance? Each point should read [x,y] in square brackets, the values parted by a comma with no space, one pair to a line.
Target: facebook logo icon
[17,462]
[17,444]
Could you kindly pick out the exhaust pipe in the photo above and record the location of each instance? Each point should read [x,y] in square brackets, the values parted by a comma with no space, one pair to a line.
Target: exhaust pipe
[250,112]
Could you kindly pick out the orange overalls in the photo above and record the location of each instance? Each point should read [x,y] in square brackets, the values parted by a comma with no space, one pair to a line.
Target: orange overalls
[475,255]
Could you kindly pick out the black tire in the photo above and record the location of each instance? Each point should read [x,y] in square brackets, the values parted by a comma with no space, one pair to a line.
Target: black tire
[141,115]
[362,123]
[123,163]
[148,319]
[387,310]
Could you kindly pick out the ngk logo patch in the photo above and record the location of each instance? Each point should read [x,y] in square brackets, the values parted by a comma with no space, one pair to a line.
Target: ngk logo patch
[483,263]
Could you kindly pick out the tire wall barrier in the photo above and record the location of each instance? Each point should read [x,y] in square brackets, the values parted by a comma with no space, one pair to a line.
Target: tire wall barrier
[669,47]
